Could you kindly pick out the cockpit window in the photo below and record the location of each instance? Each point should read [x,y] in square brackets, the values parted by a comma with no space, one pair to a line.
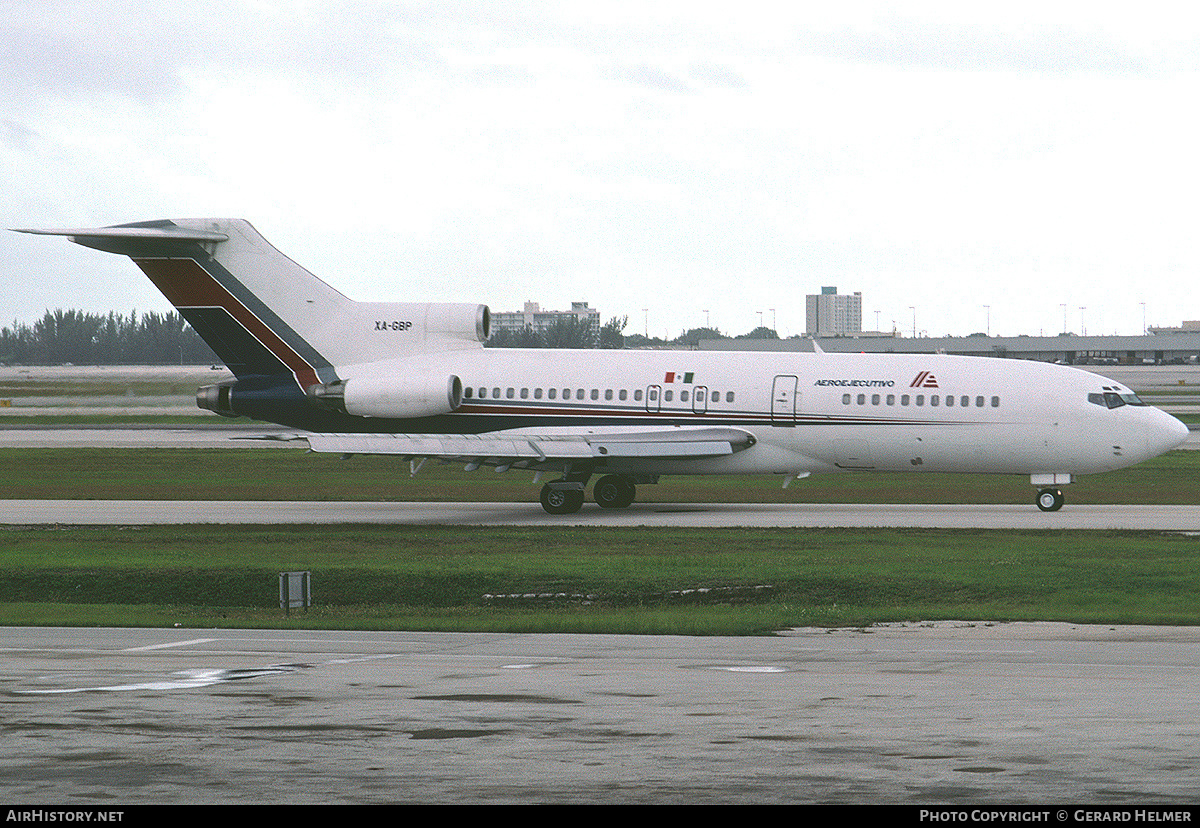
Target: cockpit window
[1113,399]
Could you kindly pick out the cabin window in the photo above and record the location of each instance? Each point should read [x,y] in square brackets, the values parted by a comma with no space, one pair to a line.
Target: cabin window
[683,396]
[891,399]
[934,399]
[552,393]
[979,402]
[537,393]
[637,395]
[510,393]
[668,395]
[845,399]
[495,393]
[874,399]
[904,399]
[579,394]
[468,392]
[608,393]
[920,399]
[699,395]
[729,396]
[964,401]
[995,402]
[623,394]
[524,393]
[653,395]
[949,400]
[595,393]
[862,399]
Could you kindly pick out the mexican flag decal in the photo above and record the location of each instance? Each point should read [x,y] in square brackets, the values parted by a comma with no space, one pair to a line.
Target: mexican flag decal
[675,376]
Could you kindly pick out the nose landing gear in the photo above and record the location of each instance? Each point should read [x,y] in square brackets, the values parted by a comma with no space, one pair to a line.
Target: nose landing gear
[1050,500]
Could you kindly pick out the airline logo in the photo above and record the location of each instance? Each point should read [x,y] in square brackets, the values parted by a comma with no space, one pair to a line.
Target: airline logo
[676,376]
[924,380]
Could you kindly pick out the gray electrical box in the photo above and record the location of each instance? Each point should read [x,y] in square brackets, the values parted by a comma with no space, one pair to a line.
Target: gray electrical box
[295,590]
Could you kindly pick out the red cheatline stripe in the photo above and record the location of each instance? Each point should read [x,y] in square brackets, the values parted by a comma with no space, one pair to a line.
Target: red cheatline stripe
[188,285]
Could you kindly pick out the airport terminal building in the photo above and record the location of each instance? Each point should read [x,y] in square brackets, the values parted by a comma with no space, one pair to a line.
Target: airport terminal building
[1169,347]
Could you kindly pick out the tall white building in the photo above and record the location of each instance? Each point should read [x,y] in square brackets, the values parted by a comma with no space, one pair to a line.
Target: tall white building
[540,321]
[833,314]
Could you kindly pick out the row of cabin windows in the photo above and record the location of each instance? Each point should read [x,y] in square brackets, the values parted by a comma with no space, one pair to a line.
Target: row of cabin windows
[919,399]
[701,395]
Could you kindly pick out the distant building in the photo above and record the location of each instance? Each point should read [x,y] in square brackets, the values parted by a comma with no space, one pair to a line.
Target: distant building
[1188,326]
[833,314]
[1158,349]
[540,321]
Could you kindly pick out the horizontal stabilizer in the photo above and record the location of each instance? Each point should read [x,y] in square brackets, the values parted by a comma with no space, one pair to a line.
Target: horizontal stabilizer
[165,233]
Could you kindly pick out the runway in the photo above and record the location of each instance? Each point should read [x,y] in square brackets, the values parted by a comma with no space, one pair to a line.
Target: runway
[701,515]
[953,713]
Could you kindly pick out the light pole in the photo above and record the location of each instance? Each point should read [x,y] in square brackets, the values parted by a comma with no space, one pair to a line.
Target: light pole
[646,321]
[1082,326]
[989,320]
[1063,305]
[914,310]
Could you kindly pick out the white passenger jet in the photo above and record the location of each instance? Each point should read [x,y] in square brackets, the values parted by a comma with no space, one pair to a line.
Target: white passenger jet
[414,380]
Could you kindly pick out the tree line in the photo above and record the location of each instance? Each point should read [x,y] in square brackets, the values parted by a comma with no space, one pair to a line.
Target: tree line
[78,338]
[72,336]
[571,332]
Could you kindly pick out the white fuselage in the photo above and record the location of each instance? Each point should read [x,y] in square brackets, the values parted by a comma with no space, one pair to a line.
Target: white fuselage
[816,412]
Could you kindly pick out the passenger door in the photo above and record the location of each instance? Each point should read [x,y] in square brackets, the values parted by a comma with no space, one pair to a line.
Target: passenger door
[784,400]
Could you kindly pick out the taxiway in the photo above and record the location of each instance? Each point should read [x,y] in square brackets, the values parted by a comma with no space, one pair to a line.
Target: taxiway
[959,713]
[837,515]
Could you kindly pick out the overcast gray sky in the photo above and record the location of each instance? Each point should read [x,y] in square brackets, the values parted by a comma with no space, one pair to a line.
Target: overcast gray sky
[700,160]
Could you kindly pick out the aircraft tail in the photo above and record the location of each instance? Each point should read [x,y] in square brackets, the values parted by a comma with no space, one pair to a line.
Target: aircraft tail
[266,316]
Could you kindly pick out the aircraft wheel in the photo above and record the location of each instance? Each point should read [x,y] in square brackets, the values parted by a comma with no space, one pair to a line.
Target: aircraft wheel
[1050,500]
[561,501]
[614,492]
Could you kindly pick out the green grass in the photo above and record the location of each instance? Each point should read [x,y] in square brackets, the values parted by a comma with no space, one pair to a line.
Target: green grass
[293,474]
[589,579]
[436,578]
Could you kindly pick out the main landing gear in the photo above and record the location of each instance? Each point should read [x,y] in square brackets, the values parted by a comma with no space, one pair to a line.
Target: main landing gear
[614,491]
[565,496]
[1050,500]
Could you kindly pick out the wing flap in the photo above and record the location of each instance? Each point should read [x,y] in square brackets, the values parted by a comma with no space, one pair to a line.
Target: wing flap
[503,448]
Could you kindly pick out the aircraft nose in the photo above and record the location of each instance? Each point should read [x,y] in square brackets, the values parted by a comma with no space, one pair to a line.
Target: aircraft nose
[1170,434]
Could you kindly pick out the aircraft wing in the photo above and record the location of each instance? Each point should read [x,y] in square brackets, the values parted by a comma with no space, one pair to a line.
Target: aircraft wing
[533,450]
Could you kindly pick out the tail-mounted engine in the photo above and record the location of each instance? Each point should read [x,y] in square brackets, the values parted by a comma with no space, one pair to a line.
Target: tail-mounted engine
[217,398]
[398,396]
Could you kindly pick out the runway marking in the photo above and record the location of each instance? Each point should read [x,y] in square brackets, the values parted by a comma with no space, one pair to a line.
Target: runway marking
[752,669]
[169,644]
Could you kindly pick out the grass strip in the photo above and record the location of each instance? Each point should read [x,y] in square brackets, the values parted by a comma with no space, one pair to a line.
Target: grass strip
[587,579]
[282,474]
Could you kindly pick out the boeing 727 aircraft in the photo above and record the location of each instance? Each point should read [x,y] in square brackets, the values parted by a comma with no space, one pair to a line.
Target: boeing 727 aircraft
[414,380]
